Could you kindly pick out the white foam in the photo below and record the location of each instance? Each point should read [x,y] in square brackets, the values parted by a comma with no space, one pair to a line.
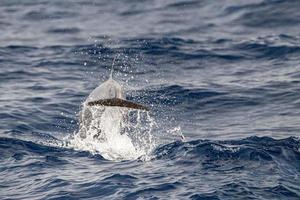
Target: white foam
[114,133]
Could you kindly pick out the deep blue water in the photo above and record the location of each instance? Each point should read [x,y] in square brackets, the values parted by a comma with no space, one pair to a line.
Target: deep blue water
[227,73]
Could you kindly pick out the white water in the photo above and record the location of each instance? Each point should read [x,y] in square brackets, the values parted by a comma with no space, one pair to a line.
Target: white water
[115,133]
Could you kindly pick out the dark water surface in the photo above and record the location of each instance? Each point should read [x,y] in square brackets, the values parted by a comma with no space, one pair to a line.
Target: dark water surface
[227,73]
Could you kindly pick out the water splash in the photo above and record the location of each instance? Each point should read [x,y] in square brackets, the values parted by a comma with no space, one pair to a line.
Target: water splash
[176,131]
[115,133]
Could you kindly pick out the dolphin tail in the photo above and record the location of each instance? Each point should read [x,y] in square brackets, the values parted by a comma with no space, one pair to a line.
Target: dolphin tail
[117,102]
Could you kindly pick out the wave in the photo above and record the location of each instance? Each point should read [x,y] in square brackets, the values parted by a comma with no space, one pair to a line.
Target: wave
[246,168]
[249,149]
[53,150]
[267,51]
[266,15]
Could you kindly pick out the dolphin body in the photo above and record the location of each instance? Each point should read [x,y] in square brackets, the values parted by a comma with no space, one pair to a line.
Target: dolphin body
[106,98]
[110,93]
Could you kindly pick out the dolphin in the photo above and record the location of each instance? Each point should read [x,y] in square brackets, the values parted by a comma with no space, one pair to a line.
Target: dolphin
[110,93]
[106,97]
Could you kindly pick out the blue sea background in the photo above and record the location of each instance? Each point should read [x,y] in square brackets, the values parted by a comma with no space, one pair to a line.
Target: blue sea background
[225,73]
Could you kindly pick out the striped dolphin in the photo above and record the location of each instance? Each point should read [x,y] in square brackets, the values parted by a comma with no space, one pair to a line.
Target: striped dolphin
[110,93]
[107,95]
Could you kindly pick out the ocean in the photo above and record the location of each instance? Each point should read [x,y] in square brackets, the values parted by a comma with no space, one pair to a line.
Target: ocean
[221,80]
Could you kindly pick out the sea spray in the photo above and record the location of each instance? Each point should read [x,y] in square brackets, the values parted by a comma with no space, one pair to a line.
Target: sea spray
[115,133]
